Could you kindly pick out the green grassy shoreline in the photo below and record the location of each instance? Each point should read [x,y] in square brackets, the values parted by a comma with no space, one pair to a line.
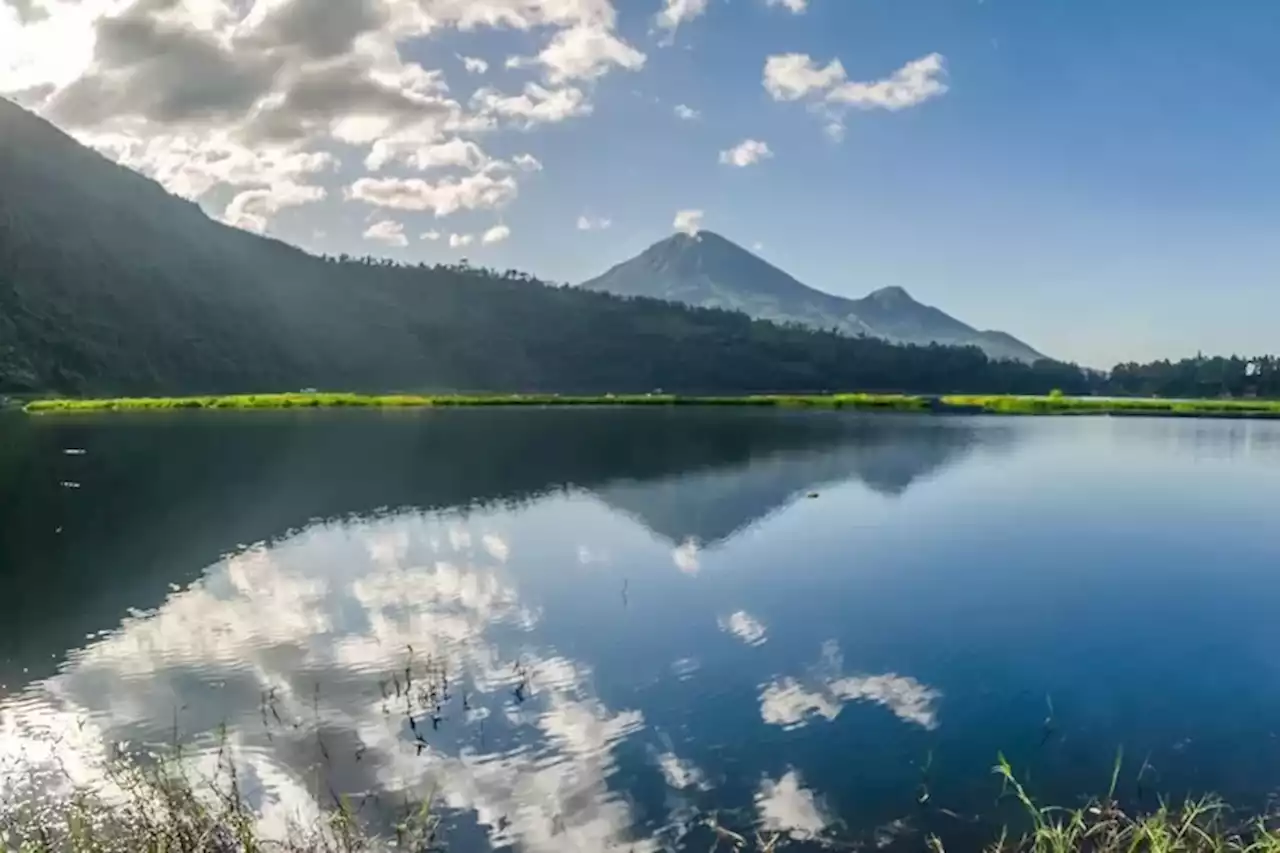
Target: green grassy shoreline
[960,404]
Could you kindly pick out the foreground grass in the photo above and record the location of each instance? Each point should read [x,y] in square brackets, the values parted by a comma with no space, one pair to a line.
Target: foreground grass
[1205,825]
[1054,404]
[158,808]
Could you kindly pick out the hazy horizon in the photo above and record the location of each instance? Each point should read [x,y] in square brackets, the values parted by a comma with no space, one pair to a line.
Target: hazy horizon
[1098,181]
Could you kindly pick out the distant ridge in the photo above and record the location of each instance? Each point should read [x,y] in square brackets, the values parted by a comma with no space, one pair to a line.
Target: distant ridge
[710,271]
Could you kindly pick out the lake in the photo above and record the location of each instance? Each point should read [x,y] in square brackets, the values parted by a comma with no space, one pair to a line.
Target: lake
[617,623]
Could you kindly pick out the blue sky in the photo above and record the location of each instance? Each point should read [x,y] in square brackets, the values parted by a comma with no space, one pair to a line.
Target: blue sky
[1100,178]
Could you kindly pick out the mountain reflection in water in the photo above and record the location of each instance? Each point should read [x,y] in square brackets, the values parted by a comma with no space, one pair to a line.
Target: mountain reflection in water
[381,560]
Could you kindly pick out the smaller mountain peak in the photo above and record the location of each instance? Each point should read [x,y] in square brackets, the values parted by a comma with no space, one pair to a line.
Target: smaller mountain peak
[892,295]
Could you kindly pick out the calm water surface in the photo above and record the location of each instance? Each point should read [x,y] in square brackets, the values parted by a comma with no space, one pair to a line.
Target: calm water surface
[618,622]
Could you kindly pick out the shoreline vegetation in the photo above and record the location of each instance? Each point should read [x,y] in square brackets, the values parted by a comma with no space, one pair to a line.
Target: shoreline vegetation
[159,806]
[1052,404]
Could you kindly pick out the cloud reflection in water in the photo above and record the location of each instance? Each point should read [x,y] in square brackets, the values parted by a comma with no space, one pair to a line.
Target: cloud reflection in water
[791,703]
[316,621]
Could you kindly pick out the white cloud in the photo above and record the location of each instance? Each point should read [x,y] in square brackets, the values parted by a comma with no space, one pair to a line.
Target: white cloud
[253,96]
[527,163]
[912,84]
[481,191]
[687,113]
[585,53]
[746,153]
[457,241]
[431,235]
[387,232]
[454,153]
[792,76]
[593,223]
[795,76]
[688,222]
[496,547]
[796,7]
[537,105]
[676,12]
[253,209]
[745,627]
[496,234]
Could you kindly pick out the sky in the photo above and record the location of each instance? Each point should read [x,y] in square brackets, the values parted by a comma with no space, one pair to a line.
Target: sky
[1099,178]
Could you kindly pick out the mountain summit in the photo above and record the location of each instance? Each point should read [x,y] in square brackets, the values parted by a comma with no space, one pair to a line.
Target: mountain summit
[710,271]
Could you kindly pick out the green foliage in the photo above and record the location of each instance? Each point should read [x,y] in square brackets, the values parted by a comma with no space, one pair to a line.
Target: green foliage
[1200,377]
[331,400]
[1101,826]
[986,404]
[1062,405]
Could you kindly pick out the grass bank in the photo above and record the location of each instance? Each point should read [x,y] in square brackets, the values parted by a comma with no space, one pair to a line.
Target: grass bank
[340,400]
[159,808]
[1053,404]
[1061,405]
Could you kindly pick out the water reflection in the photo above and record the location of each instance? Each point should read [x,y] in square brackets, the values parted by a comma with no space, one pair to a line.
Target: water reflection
[322,623]
[526,614]
[163,497]
[307,645]
[791,703]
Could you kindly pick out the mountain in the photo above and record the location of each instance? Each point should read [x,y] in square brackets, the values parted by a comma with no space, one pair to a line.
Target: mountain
[709,271]
[109,285]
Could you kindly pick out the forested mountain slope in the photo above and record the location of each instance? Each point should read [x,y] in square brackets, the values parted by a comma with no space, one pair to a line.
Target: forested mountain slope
[109,285]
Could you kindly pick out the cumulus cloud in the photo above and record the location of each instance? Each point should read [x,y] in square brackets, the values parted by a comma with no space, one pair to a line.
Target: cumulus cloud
[454,153]
[585,53]
[795,76]
[912,84]
[792,76]
[387,232]
[253,209]
[527,163]
[431,236]
[795,7]
[457,241]
[746,153]
[593,223]
[188,91]
[496,234]
[536,105]
[688,222]
[686,113]
[677,12]
[482,191]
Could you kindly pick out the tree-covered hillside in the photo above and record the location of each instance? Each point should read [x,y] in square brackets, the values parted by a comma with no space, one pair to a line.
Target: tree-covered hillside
[109,285]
